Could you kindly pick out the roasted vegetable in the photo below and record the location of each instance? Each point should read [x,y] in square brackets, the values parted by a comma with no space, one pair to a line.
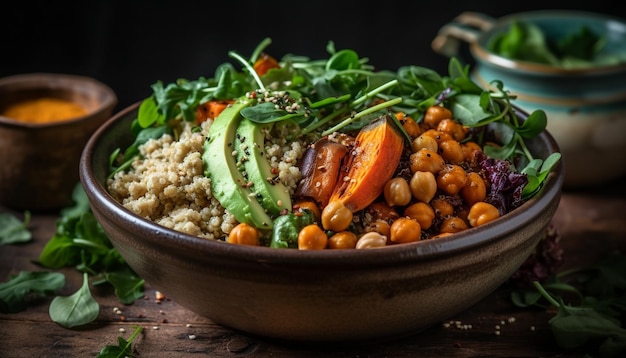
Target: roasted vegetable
[320,170]
[370,164]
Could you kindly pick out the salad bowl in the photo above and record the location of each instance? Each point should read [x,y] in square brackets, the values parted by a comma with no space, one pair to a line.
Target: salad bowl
[338,296]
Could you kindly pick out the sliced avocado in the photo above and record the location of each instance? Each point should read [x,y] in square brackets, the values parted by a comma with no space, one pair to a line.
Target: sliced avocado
[228,185]
[250,143]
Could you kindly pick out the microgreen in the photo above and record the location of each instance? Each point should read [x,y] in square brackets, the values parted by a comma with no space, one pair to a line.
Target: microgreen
[13,293]
[77,309]
[12,230]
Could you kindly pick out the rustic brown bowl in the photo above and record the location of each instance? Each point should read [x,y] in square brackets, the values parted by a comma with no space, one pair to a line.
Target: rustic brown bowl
[332,296]
[40,161]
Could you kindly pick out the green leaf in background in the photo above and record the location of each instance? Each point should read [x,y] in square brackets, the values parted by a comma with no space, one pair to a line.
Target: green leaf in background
[123,348]
[128,286]
[13,292]
[12,230]
[76,310]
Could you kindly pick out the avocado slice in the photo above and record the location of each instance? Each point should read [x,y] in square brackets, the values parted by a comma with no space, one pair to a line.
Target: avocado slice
[228,185]
[250,145]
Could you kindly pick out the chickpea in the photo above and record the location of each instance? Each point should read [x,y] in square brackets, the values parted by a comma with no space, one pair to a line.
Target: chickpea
[422,213]
[426,160]
[244,234]
[435,114]
[442,207]
[423,186]
[379,226]
[437,135]
[469,149]
[397,192]
[405,230]
[309,205]
[342,240]
[481,213]
[410,126]
[475,189]
[380,210]
[453,128]
[451,179]
[451,151]
[336,217]
[453,225]
[371,240]
[443,234]
[312,237]
[424,141]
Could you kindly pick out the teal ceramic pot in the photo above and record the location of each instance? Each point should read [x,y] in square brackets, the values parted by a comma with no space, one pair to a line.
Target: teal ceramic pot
[586,106]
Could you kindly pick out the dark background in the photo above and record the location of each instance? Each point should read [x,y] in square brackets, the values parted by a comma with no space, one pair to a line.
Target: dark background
[131,44]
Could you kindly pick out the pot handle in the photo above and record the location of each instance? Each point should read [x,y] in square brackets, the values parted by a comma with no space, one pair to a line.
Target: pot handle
[465,27]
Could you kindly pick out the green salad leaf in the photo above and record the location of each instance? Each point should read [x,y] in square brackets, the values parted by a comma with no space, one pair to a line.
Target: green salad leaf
[77,309]
[12,230]
[13,293]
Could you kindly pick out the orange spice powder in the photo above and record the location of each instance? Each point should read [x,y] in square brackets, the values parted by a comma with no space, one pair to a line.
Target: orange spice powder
[44,110]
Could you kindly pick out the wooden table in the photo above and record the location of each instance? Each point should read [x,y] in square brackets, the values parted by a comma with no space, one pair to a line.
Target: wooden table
[591,223]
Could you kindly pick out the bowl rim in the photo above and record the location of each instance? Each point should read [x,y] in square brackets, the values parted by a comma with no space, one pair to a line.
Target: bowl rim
[108,97]
[480,52]
[393,255]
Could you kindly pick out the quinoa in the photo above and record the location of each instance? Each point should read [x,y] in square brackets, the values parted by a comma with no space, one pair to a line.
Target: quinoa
[168,186]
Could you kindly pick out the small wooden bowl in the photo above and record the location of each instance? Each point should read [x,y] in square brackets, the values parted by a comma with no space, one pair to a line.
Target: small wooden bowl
[40,160]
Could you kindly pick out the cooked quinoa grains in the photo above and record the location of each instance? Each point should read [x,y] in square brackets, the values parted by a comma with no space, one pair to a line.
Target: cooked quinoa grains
[167,184]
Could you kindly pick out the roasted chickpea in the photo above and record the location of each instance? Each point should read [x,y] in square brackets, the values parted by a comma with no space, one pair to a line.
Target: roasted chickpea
[244,234]
[453,128]
[426,160]
[405,230]
[451,179]
[475,189]
[397,192]
[453,225]
[380,210]
[308,205]
[336,217]
[371,240]
[312,237]
[342,240]
[410,126]
[435,114]
[469,148]
[437,135]
[451,151]
[481,213]
[422,213]
[423,186]
[442,207]
[424,142]
[379,226]
[443,234]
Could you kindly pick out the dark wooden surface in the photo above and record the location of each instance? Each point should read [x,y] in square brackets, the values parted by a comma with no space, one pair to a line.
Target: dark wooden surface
[591,223]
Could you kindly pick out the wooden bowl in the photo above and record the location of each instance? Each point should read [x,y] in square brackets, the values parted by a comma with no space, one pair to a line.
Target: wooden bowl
[40,160]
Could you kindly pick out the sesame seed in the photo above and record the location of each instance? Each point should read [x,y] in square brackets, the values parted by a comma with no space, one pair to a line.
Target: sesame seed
[192,336]
[155,328]
[122,330]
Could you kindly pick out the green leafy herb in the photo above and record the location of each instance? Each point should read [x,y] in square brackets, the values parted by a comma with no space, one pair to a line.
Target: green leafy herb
[12,230]
[527,41]
[13,293]
[80,242]
[76,310]
[591,304]
[123,348]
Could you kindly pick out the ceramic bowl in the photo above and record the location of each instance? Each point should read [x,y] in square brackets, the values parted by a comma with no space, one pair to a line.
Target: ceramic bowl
[40,160]
[319,296]
[586,107]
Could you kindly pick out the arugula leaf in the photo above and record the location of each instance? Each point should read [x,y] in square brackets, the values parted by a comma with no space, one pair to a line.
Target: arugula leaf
[12,230]
[123,348]
[13,292]
[77,309]
[128,286]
